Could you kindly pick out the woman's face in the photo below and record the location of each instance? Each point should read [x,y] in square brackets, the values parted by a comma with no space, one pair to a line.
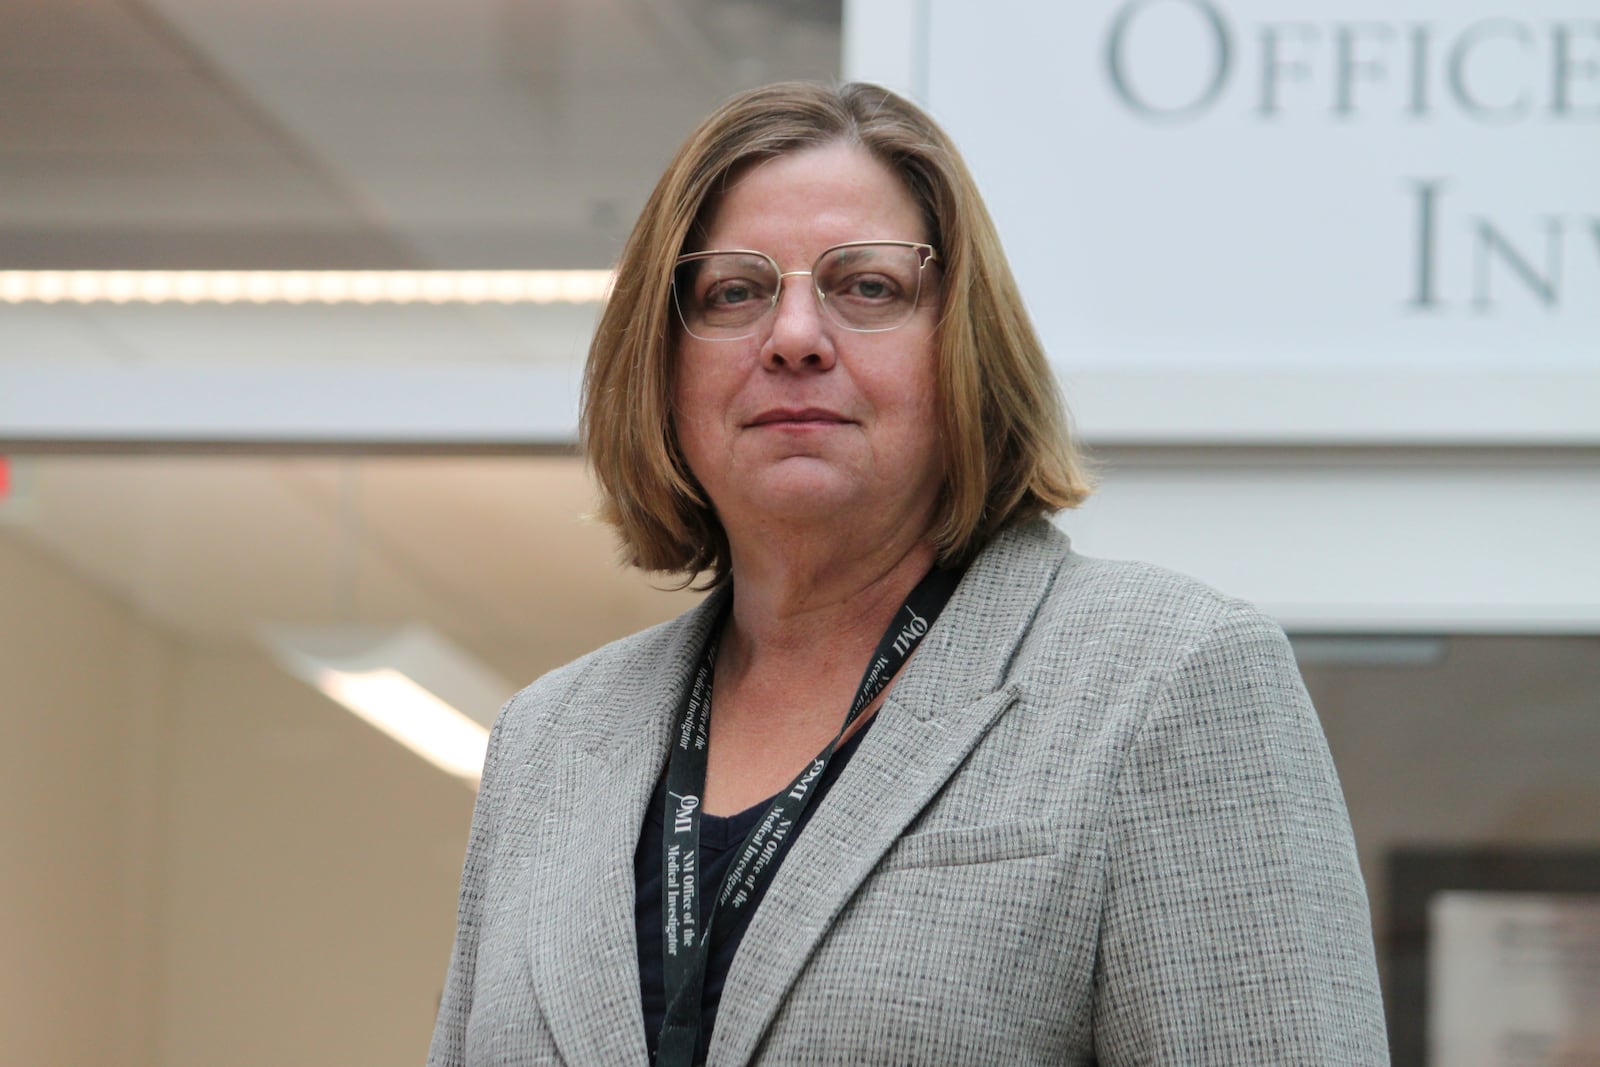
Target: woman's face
[806,422]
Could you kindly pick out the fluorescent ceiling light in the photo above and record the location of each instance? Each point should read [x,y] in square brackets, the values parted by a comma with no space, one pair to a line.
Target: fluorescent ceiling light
[409,682]
[305,286]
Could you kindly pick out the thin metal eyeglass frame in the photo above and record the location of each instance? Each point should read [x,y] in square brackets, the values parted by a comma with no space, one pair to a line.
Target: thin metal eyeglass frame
[930,255]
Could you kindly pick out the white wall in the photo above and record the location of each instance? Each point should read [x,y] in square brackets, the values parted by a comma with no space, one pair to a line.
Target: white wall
[201,860]
[312,876]
[1404,541]
[84,691]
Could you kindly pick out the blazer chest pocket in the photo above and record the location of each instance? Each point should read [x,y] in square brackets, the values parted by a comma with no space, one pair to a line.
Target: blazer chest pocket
[967,845]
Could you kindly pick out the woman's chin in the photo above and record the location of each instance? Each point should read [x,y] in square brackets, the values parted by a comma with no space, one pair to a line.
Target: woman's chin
[808,493]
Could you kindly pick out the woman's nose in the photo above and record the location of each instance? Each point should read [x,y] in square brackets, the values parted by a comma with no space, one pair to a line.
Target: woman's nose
[799,337]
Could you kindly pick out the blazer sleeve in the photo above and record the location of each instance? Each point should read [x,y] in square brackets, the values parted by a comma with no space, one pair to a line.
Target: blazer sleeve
[1235,927]
[448,1048]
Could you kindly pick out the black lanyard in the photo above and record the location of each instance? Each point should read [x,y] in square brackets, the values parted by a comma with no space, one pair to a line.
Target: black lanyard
[687,927]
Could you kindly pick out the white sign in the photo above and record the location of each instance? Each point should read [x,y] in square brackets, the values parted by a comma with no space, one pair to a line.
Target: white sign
[1352,189]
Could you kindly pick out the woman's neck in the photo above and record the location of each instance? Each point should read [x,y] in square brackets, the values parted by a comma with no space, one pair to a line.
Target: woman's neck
[797,602]
[801,632]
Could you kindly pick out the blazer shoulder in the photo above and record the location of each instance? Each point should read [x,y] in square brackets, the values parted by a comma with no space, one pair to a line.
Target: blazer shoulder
[1081,587]
[1082,616]
[1131,603]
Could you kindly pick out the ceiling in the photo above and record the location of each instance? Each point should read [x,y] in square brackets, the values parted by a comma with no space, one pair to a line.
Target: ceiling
[356,133]
[348,134]
[353,134]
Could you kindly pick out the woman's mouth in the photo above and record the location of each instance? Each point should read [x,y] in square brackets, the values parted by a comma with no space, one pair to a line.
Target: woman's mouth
[798,417]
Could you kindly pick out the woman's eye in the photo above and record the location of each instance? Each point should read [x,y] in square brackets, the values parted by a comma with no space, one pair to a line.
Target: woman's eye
[730,294]
[869,287]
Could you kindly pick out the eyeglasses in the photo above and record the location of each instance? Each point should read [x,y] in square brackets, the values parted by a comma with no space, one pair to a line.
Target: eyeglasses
[865,286]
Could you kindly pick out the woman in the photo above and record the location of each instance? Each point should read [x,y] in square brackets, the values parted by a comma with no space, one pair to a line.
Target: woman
[1091,820]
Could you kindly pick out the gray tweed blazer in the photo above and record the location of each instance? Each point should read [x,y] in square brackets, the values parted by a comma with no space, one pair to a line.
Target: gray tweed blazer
[1096,822]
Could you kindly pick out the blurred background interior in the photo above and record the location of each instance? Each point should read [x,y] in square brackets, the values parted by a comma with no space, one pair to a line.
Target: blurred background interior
[204,858]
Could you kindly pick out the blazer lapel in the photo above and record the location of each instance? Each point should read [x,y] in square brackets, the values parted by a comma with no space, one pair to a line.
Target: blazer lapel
[581,936]
[948,696]
[583,952]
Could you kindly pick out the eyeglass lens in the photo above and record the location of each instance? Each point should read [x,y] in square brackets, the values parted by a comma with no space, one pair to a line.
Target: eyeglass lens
[864,287]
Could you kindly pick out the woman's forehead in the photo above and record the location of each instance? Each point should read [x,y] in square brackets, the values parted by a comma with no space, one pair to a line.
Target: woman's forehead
[811,199]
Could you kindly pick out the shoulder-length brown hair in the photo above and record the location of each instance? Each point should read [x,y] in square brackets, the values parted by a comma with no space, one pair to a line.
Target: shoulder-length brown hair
[1008,456]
